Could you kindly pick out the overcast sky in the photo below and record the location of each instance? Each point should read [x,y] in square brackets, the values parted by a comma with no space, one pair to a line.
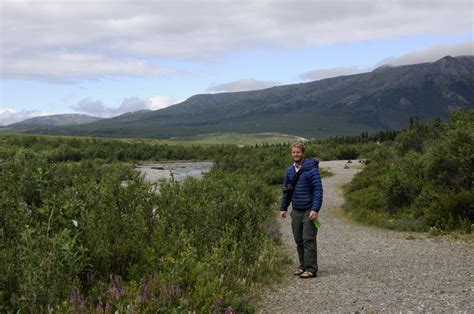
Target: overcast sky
[107,57]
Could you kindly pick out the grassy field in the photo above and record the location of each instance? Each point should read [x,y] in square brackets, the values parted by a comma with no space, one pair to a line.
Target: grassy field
[200,139]
[237,138]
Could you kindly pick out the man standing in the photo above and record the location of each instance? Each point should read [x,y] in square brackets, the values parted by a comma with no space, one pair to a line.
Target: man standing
[303,188]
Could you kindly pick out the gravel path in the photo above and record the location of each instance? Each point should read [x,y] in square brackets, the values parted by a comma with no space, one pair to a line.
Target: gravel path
[368,269]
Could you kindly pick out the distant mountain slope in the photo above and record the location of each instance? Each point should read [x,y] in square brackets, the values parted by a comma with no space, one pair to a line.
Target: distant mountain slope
[382,99]
[58,120]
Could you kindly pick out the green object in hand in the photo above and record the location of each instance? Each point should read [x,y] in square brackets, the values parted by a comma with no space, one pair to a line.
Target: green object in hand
[317,223]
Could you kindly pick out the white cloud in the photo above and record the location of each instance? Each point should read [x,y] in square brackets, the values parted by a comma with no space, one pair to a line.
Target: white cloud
[330,72]
[431,54]
[8,115]
[93,107]
[131,104]
[81,39]
[67,67]
[160,102]
[242,85]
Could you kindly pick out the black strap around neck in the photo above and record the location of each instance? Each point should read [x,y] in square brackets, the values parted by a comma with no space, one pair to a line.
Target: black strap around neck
[296,177]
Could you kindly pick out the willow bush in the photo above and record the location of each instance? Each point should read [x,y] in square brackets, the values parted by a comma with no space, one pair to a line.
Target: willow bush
[423,181]
[83,235]
[81,231]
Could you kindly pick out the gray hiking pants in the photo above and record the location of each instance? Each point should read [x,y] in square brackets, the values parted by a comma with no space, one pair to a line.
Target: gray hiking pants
[304,233]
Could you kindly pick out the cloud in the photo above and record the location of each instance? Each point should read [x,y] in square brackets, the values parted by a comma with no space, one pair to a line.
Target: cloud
[131,104]
[8,115]
[431,54]
[93,107]
[242,85]
[67,67]
[160,102]
[114,38]
[330,72]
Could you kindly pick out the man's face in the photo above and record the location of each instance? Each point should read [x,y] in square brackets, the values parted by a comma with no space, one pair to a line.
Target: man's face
[297,154]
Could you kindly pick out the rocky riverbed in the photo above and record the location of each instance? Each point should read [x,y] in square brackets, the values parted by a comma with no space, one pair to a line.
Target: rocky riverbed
[175,170]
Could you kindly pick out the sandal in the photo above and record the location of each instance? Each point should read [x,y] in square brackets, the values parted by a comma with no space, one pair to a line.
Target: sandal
[298,272]
[308,274]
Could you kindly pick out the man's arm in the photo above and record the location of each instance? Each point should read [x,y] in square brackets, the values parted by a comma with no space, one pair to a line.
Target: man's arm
[317,188]
[286,198]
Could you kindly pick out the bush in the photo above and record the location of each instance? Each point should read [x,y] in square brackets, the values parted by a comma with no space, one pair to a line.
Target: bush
[426,181]
[450,162]
[453,210]
[347,152]
[44,265]
[92,235]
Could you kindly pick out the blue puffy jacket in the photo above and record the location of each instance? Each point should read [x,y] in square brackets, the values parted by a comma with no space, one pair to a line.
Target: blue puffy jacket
[308,192]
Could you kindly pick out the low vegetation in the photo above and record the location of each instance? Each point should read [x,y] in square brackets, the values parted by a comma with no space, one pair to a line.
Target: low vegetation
[235,139]
[425,180]
[87,235]
[80,230]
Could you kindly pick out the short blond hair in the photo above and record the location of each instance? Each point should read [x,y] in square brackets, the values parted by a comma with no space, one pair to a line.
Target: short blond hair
[299,145]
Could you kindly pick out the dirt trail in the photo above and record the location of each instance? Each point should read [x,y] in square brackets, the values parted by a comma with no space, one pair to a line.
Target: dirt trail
[363,268]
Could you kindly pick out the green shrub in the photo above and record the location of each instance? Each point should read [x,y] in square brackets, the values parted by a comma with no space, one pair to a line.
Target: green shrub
[93,235]
[397,190]
[426,181]
[450,162]
[347,152]
[46,264]
[452,210]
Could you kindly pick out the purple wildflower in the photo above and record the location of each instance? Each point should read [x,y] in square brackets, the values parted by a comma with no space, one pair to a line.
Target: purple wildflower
[217,307]
[80,298]
[72,297]
[145,296]
[175,288]
[229,310]
[116,288]
[218,303]
[98,307]
[108,307]
[76,299]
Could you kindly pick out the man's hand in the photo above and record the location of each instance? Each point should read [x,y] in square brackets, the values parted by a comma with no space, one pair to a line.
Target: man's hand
[313,215]
[282,214]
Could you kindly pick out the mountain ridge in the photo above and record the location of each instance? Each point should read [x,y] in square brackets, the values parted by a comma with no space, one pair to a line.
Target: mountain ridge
[58,120]
[384,98]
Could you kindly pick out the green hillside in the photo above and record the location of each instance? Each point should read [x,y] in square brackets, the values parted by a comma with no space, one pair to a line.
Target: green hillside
[385,98]
[58,119]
